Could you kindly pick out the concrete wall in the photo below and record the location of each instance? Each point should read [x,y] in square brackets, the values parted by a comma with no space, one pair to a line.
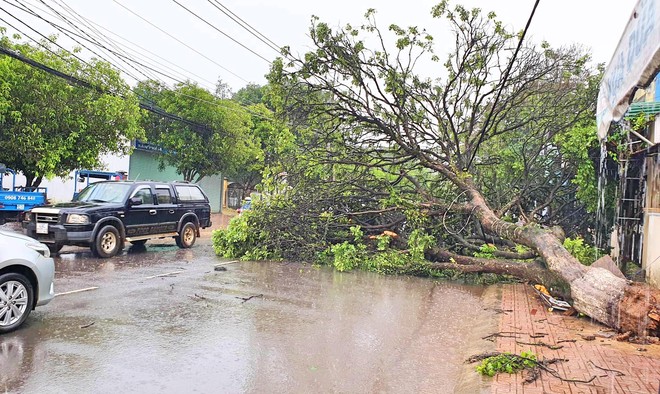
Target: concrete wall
[651,254]
[651,240]
[144,166]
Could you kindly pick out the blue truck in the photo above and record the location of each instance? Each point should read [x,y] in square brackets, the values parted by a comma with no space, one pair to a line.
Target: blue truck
[16,200]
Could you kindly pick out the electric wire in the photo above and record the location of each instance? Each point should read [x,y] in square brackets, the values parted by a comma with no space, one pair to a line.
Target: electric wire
[102,58]
[246,26]
[37,41]
[117,55]
[126,49]
[127,56]
[80,82]
[69,35]
[221,32]
[97,40]
[504,79]
[151,107]
[181,42]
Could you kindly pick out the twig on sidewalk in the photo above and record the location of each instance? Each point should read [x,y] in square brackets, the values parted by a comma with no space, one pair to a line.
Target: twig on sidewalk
[618,373]
[503,334]
[551,347]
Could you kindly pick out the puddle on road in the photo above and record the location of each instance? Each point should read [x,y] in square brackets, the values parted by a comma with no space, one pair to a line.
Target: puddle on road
[312,329]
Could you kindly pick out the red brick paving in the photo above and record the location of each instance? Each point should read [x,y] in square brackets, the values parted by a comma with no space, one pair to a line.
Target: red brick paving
[525,315]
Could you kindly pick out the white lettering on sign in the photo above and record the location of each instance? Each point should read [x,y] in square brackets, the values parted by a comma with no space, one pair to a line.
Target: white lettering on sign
[635,60]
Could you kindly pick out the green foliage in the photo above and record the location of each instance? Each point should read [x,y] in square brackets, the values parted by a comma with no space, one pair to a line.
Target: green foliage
[486,251]
[347,256]
[49,127]
[585,253]
[222,142]
[575,145]
[373,150]
[418,243]
[237,241]
[507,363]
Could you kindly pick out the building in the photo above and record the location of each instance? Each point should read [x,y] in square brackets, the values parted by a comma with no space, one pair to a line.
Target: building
[627,114]
[142,164]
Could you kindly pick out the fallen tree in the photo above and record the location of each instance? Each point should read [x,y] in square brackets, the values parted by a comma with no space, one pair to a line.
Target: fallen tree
[364,108]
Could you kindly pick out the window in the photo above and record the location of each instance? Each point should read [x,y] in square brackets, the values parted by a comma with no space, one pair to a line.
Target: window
[145,195]
[104,192]
[189,193]
[164,195]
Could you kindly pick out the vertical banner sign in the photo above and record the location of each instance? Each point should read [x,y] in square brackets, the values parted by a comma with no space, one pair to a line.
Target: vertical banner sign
[634,64]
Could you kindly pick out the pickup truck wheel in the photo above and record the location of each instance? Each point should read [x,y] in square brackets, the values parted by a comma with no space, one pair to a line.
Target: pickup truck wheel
[187,236]
[16,301]
[54,248]
[107,243]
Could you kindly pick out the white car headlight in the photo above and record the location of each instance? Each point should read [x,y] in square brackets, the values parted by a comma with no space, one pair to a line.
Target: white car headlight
[39,247]
[74,218]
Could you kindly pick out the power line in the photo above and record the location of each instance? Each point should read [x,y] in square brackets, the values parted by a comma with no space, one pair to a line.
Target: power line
[114,44]
[150,107]
[37,41]
[75,16]
[91,24]
[91,40]
[222,32]
[80,82]
[182,43]
[261,37]
[61,30]
[504,79]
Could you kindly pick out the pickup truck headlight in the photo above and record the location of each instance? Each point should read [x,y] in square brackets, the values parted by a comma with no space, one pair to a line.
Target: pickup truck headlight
[74,218]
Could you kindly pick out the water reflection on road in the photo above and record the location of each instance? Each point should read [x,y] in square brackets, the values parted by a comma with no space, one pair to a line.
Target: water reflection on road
[308,330]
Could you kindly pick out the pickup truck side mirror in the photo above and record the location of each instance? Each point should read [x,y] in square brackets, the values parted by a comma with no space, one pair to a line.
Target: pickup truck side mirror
[135,201]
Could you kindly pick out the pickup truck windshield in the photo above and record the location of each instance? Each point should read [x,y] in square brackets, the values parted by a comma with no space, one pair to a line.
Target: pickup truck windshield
[104,192]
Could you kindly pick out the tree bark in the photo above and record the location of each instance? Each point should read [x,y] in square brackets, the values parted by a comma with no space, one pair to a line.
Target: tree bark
[528,271]
[595,292]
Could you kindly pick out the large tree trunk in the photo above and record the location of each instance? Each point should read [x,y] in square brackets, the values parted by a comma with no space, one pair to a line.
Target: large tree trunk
[595,292]
[529,271]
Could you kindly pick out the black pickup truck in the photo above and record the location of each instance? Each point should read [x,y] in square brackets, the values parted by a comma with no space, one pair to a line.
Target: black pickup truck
[105,215]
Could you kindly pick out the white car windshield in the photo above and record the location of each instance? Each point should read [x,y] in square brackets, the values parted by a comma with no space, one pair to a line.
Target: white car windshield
[104,192]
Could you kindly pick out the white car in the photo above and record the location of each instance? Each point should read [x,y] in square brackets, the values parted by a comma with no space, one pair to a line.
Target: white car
[26,278]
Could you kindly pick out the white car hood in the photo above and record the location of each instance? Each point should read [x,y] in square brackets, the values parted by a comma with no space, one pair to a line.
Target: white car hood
[4,233]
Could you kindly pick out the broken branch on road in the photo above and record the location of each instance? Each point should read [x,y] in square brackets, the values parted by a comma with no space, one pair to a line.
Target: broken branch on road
[246,299]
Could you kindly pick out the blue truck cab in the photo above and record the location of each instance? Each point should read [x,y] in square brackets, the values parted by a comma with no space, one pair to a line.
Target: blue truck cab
[16,200]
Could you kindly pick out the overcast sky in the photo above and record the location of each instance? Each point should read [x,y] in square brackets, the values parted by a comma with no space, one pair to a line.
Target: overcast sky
[597,24]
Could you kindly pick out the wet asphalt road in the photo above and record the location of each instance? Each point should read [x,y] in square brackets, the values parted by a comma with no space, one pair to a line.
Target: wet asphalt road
[306,329]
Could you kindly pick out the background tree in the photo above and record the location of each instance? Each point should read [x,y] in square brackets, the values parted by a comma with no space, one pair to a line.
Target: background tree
[223,90]
[270,134]
[49,127]
[366,111]
[250,94]
[213,137]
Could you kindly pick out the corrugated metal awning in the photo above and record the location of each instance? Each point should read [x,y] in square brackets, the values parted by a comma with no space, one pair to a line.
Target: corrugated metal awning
[645,107]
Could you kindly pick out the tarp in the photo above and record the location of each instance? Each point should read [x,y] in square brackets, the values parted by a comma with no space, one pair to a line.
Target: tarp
[635,63]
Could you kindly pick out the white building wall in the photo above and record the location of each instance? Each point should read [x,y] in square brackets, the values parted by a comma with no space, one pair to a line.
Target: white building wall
[61,189]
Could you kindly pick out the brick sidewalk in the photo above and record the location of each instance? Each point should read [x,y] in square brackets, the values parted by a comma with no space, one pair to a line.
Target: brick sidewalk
[525,315]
